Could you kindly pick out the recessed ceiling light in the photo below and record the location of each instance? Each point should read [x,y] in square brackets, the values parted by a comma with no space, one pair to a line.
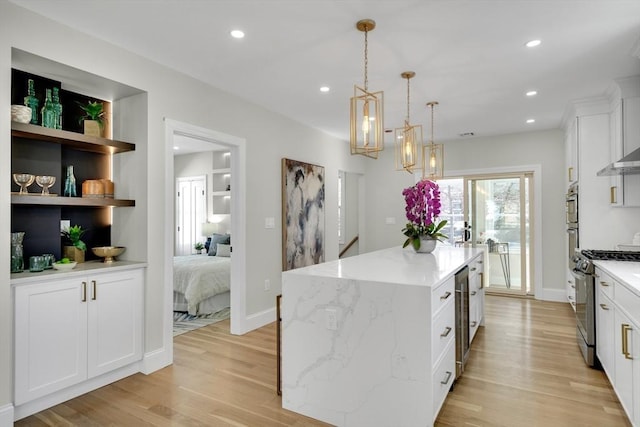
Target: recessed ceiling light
[175,147]
[533,43]
[237,34]
[465,134]
[325,89]
[532,93]
[531,120]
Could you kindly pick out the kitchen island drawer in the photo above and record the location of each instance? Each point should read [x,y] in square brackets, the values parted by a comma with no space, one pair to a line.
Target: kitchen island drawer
[442,295]
[443,376]
[444,326]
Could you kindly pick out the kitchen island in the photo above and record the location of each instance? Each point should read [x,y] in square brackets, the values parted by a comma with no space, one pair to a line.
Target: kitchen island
[369,340]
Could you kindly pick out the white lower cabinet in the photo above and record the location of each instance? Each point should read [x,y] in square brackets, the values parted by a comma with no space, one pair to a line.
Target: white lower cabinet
[476,295]
[70,330]
[618,340]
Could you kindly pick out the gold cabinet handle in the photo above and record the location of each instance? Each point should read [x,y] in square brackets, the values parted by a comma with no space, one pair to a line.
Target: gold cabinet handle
[604,283]
[481,280]
[446,332]
[95,290]
[604,306]
[473,293]
[613,195]
[84,291]
[473,269]
[473,324]
[447,377]
[625,343]
[570,173]
[446,295]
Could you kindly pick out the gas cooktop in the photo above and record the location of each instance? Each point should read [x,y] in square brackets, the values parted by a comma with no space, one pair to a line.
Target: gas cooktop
[611,255]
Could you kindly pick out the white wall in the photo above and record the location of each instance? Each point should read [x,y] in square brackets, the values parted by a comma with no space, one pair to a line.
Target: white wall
[384,189]
[269,137]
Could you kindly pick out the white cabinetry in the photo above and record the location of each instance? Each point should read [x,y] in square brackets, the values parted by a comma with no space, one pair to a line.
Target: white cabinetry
[476,295]
[72,329]
[571,150]
[618,340]
[221,183]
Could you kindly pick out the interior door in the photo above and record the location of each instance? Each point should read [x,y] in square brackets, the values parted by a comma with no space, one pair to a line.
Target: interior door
[191,213]
[497,209]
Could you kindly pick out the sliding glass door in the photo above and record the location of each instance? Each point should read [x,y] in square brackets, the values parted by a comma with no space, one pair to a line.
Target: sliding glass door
[498,211]
[494,212]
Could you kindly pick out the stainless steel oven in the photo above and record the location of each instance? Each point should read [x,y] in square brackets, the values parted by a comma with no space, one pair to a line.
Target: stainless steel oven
[583,271]
[573,229]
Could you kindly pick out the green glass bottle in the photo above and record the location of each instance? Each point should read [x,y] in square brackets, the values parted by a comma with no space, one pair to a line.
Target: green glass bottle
[57,107]
[32,102]
[48,112]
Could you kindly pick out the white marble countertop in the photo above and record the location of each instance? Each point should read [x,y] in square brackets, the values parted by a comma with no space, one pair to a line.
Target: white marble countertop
[396,265]
[81,269]
[626,272]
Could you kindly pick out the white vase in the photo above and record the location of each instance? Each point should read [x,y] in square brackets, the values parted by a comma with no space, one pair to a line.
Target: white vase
[427,245]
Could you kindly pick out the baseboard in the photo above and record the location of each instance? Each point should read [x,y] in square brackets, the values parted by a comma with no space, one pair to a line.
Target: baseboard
[155,360]
[260,319]
[557,295]
[6,415]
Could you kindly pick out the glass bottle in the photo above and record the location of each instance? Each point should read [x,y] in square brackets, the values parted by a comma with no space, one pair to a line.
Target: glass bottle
[70,183]
[32,102]
[57,107]
[48,112]
[17,252]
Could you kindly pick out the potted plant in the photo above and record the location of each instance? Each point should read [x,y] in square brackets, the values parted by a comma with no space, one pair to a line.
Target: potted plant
[422,209]
[73,248]
[199,247]
[94,117]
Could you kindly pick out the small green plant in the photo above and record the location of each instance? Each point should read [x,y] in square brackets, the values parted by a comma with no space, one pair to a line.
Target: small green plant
[198,246]
[72,236]
[93,110]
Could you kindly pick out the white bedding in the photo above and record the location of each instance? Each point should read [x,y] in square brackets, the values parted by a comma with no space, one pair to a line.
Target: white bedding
[199,277]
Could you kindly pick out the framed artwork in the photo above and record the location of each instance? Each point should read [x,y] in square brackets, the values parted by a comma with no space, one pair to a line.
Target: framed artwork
[302,214]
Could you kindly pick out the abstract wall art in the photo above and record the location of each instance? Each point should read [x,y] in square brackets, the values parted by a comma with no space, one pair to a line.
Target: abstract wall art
[302,214]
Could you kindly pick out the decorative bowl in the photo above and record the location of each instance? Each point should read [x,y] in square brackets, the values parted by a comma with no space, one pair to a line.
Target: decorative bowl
[20,113]
[64,266]
[24,180]
[108,252]
[45,181]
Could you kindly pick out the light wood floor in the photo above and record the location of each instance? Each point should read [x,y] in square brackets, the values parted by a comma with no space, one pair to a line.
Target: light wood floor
[525,369]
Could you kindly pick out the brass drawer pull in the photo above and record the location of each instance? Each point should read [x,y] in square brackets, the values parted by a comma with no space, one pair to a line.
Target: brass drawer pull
[604,306]
[446,295]
[473,293]
[604,283]
[473,324]
[473,269]
[95,290]
[447,377]
[446,332]
[625,343]
[84,291]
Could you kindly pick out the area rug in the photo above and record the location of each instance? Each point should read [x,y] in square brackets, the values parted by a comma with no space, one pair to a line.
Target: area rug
[184,322]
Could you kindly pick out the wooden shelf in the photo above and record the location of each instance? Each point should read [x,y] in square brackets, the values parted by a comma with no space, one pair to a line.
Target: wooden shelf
[35,199]
[72,139]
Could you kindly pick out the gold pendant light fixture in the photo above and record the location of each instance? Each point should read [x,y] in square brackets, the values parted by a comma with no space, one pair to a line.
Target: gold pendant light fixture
[433,155]
[408,137]
[367,123]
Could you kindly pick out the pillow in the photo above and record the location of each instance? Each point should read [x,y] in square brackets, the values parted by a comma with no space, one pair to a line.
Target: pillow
[223,250]
[225,239]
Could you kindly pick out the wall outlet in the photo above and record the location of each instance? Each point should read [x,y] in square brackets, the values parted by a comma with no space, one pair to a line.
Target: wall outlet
[269,222]
[64,224]
[267,284]
[331,318]
[390,220]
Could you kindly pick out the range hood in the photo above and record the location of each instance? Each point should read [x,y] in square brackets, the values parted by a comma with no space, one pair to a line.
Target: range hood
[628,165]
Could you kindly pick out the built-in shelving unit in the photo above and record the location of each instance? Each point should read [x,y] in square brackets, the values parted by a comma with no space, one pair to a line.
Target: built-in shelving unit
[35,199]
[221,180]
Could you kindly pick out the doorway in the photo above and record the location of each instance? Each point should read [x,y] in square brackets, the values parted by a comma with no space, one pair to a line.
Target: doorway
[494,211]
[350,214]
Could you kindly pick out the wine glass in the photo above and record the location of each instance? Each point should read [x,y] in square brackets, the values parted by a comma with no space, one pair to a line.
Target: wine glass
[24,180]
[45,181]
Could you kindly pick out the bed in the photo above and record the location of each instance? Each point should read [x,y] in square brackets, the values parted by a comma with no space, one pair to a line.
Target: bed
[201,283]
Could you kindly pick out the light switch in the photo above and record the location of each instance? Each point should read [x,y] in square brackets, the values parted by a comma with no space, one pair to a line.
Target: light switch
[269,222]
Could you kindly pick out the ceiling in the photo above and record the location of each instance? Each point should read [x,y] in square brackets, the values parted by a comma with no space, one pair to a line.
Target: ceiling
[468,55]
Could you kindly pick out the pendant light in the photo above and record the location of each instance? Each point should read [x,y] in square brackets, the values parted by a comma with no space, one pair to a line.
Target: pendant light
[367,124]
[408,137]
[433,155]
